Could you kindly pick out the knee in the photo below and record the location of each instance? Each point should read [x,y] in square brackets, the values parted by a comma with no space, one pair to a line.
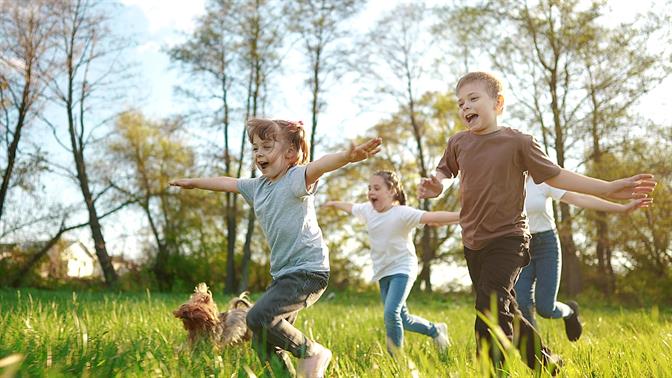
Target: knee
[545,309]
[254,319]
[392,316]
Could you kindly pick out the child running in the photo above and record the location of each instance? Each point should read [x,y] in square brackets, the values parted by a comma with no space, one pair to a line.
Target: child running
[493,162]
[538,284]
[395,265]
[283,201]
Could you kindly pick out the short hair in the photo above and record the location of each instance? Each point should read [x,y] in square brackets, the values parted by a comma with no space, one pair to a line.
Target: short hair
[492,84]
[292,132]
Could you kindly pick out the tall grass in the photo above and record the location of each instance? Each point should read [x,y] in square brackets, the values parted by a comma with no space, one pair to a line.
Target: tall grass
[44,333]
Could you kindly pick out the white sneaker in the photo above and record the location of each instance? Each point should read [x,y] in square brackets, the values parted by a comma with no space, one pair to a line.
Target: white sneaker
[316,365]
[441,339]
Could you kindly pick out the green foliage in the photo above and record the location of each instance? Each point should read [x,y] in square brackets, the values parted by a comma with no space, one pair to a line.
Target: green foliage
[57,333]
[641,239]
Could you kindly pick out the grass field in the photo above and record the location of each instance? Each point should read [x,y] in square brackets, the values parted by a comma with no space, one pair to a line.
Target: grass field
[58,333]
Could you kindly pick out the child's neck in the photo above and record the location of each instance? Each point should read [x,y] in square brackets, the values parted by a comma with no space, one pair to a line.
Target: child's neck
[280,175]
[386,208]
[488,130]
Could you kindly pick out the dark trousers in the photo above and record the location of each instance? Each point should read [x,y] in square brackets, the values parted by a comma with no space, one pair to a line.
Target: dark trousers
[494,271]
[272,317]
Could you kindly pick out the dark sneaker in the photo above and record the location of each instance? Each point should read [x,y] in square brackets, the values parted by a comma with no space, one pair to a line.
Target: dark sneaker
[573,327]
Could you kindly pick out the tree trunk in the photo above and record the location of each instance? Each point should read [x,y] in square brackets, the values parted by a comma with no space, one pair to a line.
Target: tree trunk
[11,159]
[428,255]
[571,267]
[96,229]
[255,85]
[603,252]
[247,253]
[315,103]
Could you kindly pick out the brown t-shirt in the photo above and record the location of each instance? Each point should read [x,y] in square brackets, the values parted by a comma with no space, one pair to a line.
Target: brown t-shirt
[493,169]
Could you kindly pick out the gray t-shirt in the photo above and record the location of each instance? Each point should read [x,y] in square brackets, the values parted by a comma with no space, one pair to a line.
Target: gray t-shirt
[286,212]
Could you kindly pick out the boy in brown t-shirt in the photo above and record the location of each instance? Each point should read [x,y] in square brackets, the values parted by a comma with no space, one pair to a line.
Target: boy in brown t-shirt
[493,162]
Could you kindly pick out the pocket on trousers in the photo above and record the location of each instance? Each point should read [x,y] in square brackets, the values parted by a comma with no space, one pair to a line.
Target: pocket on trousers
[314,285]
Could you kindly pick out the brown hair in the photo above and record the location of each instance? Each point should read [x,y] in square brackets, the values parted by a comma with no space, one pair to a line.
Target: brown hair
[392,181]
[292,132]
[493,85]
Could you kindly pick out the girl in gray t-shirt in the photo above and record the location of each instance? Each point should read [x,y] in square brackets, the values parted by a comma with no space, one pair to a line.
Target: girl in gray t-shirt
[283,201]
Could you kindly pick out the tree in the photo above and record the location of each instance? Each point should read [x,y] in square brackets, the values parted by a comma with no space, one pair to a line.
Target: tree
[26,37]
[394,57]
[260,25]
[235,49]
[88,66]
[209,57]
[640,241]
[319,24]
[620,68]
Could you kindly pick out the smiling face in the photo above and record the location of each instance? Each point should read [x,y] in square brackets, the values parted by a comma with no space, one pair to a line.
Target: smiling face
[272,157]
[477,108]
[381,196]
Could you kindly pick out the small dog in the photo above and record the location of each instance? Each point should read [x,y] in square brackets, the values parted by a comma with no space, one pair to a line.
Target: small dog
[202,319]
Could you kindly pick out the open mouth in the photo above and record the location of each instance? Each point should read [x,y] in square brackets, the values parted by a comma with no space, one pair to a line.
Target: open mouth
[263,165]
[373,201]
[471,117]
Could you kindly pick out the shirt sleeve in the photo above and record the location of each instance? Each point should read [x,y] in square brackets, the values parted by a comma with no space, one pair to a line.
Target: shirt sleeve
[359,210]
[536,162]
[448,163]
[297,177]
[246,188]
[411,216]
[552,192]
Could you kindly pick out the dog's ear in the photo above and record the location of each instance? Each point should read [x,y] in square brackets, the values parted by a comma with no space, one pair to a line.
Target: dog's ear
[181,312]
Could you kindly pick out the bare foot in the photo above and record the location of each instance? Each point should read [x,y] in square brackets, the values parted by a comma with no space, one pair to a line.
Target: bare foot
[316,365]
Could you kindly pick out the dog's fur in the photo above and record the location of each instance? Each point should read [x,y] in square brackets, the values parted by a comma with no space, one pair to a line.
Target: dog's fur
[202,319]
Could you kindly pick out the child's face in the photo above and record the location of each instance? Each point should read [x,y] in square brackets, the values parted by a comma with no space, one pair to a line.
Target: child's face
[478,110]
[380,195]
[271,157]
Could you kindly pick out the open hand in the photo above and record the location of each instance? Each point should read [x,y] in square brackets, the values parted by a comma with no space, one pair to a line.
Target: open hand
[364,150]
[638,203]
[635,187]
[429,187]
[182,183]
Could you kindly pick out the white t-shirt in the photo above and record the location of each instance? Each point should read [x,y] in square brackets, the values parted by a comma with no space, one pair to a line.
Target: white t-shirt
[539,207]
[390,233]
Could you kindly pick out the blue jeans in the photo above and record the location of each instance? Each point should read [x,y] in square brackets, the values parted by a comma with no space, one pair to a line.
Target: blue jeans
[539,281]
[394,290]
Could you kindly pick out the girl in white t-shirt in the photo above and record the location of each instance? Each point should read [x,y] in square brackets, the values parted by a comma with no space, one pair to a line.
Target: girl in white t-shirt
[538,283]
[395,265]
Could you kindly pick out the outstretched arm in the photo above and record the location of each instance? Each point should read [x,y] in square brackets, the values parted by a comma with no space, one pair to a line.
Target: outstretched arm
[345,206]
[637,186]
[432,186]
[331,162]
[217,184]
[440,217]
[593,203]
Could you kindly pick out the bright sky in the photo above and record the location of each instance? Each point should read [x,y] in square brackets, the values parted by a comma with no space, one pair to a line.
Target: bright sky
[157,24]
